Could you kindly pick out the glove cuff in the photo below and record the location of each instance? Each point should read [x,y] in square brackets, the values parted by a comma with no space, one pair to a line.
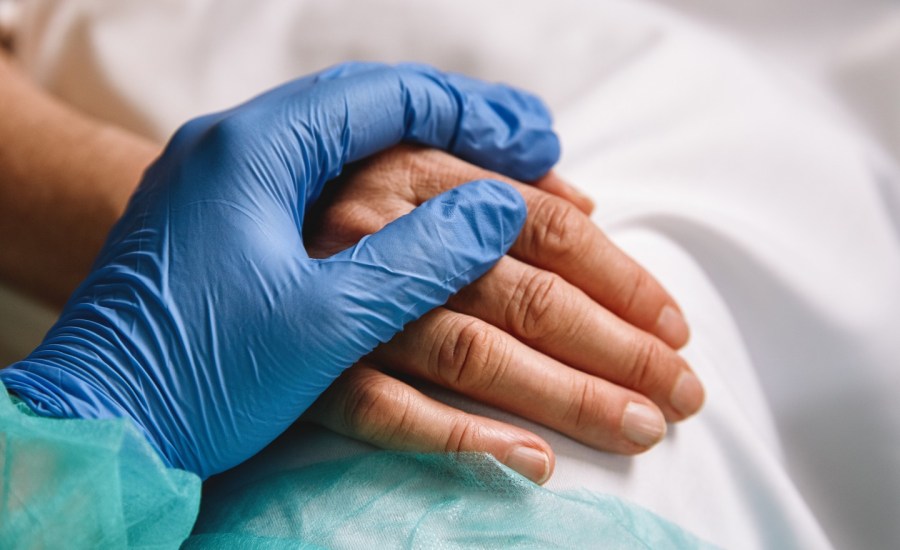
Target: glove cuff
[77,483]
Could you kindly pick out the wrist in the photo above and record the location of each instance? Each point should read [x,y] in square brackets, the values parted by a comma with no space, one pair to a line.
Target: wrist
[57,381]
[68,470]
[50,389]
[126,157]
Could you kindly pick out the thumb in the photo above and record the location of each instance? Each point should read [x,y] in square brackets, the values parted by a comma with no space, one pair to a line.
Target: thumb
[418,261]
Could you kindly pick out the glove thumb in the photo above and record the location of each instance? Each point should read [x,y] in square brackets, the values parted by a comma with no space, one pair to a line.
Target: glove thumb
[418,261]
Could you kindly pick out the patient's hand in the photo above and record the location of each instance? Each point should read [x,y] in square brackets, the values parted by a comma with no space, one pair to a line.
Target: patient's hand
[566,331]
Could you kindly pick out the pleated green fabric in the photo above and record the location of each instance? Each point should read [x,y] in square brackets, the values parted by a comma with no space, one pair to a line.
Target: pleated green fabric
[399,500]
[71,483]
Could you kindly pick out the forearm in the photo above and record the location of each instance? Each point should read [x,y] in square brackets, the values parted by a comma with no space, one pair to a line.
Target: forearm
[64,180]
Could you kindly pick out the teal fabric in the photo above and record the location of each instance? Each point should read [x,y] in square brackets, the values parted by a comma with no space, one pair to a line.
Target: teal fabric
[398,500]
[72,483]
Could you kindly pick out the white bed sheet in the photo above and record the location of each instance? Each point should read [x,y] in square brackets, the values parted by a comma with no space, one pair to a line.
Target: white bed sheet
[752,169]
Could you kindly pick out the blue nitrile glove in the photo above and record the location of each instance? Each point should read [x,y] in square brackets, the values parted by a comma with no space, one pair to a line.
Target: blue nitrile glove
[205,321]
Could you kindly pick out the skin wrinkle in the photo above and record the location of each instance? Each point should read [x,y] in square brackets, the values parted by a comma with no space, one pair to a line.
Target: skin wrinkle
[441,169]
[416,174]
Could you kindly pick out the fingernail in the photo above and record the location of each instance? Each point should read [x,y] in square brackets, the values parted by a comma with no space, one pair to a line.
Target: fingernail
[687,395]
[643,425]
[671,327]
[531,463]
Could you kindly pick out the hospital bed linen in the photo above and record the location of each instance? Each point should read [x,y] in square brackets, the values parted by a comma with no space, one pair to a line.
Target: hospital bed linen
[755,179]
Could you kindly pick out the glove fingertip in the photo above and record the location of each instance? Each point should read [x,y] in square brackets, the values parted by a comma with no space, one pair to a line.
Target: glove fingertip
[419,260]
[495,126]
[508,205]
[511,135]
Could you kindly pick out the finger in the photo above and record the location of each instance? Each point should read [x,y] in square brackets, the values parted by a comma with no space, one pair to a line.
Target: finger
[555,185]
[479,360]
[556,237]
[347,114]
[416,262]
[368,405]
[550,315]
[559,238]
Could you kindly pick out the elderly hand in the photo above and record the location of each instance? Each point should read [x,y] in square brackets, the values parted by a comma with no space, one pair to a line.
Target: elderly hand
[566,331]
[205,322]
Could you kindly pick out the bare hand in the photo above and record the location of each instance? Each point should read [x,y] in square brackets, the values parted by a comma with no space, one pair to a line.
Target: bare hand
[566,331]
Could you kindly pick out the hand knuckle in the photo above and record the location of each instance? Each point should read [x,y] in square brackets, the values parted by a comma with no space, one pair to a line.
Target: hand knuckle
[376,409]
[463,432]
[471,356]
[536,297]
[583,411]
[644,366]
[230,132]
[556,228]
[190,130]
[634,286]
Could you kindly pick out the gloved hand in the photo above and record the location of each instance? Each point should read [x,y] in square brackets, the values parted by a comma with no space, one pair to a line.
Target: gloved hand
[205,321]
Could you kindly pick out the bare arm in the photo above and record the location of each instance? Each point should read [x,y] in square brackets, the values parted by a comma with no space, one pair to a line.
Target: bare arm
[64,180]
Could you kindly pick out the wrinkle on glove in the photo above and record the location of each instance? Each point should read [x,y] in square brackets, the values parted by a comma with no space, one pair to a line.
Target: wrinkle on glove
[74,483]
[405,500]
[205,321]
